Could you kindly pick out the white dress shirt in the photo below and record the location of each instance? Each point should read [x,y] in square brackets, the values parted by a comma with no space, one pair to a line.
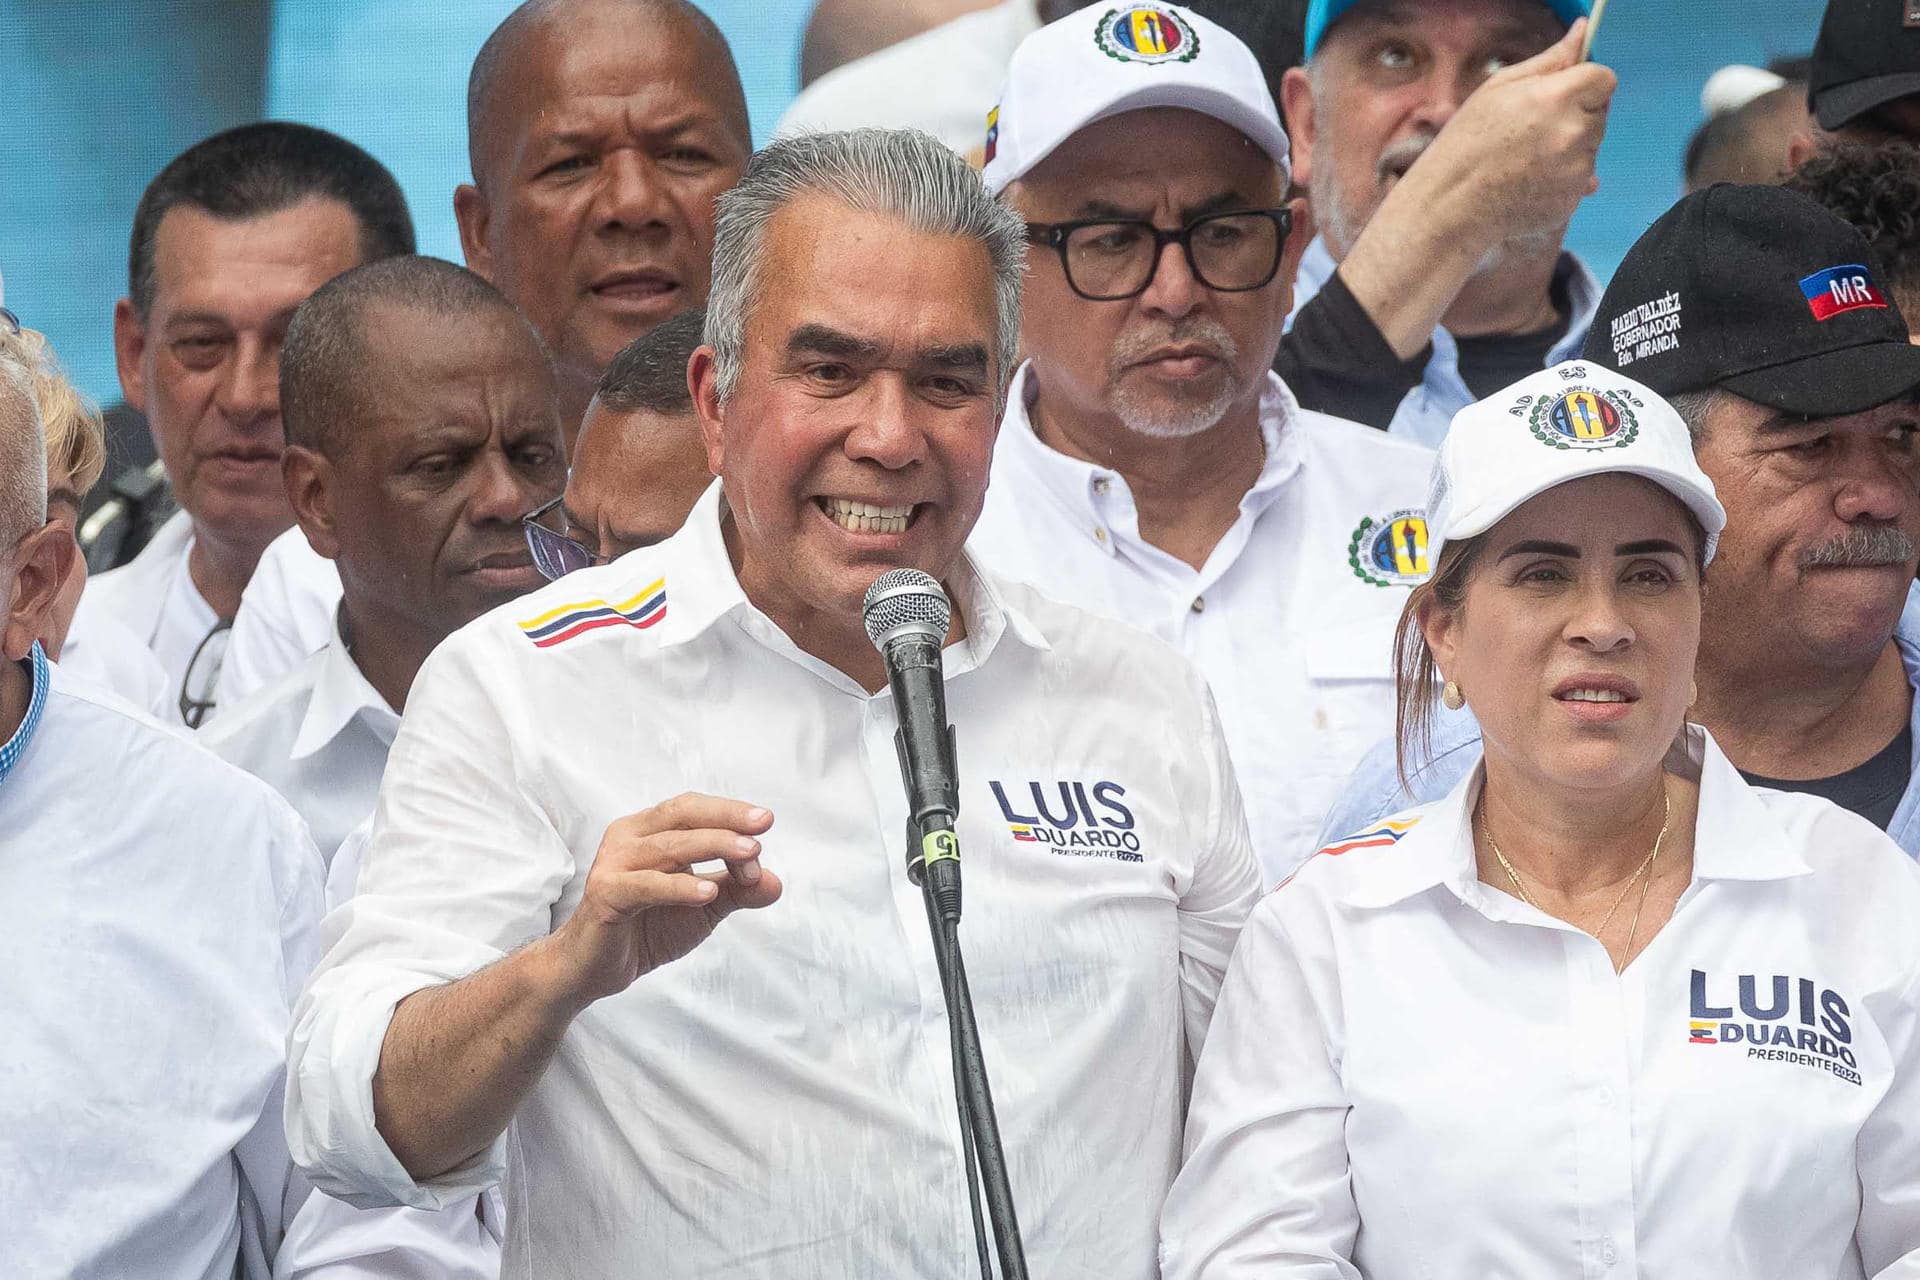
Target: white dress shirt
[158,912]
[107,655]
[285,617]
[319,736]
[942,81]
[1414,1074]
[152,596]
[780,1102]
[1291,619]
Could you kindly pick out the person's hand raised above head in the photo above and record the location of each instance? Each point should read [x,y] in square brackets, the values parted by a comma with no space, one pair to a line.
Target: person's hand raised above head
[1523,145]
[644,906]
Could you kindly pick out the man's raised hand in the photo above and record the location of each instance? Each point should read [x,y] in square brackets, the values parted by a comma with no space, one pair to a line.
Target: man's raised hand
[645,906]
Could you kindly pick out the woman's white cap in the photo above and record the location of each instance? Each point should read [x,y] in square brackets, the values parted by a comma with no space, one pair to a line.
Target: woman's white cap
[1565,423]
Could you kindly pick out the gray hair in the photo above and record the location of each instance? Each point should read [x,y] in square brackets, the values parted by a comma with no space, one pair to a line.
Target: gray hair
[23,454]
[1694,408]
[901,173]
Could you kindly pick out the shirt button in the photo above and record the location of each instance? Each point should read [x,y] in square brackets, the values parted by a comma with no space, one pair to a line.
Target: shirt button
[1606,1095]
[1101,484]
[1608,1254]
[1199,604]
[1099,535]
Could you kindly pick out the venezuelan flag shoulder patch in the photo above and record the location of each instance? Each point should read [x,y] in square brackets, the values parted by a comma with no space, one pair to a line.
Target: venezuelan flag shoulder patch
[564,622]
[1380,835]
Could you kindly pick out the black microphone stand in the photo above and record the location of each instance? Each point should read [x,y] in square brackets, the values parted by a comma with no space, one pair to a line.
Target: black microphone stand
[979,1129]
[933,863]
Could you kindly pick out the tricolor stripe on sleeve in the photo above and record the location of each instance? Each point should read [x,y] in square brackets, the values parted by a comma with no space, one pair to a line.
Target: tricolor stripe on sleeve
[1380,835]
[563,622]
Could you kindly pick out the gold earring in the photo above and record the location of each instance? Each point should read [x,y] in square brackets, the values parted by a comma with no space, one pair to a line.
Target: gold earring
[1450,696]
[1693,692]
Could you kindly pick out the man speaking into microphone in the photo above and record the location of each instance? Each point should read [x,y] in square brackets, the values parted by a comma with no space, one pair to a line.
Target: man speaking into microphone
[704,1035]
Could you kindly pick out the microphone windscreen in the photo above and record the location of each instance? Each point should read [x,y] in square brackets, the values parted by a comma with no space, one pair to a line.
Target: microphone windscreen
[902,600]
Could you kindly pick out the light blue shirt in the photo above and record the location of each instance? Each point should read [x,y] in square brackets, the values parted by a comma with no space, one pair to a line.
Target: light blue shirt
[16,745]
[1428,409]
[1374,791]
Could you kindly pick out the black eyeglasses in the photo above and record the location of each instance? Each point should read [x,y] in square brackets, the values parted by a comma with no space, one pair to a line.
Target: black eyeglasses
[1107,259]
[198,686]
[554,553]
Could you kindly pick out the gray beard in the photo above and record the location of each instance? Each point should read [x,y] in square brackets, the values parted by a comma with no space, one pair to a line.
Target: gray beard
[1157,419]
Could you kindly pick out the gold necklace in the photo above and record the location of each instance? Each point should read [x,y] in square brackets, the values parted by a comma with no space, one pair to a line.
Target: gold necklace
[1646,867]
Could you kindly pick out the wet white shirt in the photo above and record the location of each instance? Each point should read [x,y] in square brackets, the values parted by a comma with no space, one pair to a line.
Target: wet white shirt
[285,617]
[108,656]
[780,1101]
[152,596]
[158,912]
[1413,1074]
[1291,619]
[319,736]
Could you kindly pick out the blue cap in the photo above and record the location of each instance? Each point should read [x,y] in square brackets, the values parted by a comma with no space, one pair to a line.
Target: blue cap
[1322,14]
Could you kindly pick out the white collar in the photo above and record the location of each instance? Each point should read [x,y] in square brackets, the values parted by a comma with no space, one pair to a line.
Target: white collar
[1735,837]
[341,694]
[692,573]
[1077,484]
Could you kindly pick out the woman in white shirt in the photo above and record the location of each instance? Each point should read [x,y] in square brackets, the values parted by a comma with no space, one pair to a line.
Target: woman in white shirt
[1604,1010]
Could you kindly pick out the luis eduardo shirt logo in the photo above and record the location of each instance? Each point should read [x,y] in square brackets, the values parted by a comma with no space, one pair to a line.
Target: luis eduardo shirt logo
[1073,819]
[1777,1018]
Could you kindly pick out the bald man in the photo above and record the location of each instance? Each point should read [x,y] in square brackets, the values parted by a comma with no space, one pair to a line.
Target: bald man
[422,424]
[600,132]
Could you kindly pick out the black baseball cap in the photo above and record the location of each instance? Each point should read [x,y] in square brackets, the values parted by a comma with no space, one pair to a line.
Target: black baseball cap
[1760,291]
[1868,54]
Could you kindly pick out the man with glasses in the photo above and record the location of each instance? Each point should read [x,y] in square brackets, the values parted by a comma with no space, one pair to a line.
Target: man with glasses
[226,241]
[422,422]
[638,462]
[1150,467]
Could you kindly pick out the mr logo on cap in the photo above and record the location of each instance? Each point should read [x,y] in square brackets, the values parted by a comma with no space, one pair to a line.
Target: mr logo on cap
[1838,290]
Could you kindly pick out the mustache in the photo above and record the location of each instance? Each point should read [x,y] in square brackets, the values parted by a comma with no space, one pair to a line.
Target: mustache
[1194,330]
[1862,546]
[1399,156]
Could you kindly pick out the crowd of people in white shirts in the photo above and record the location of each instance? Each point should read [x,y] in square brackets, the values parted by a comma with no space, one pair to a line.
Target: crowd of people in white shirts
[1435,728]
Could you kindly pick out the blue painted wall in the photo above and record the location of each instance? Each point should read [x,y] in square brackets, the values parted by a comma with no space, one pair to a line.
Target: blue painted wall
[99,95]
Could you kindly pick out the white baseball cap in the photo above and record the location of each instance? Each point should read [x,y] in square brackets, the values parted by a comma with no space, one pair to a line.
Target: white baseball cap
[1569,422]
[1101,61]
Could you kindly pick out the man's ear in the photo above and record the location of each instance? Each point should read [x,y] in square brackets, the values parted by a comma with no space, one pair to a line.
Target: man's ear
[309,479]
[129,350]
[1801,148]
[1296,107]
[40,564]
[705,386]
[471,215]
[1299,236]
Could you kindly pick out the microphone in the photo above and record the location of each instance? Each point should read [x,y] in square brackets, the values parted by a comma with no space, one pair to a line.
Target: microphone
[906,615]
